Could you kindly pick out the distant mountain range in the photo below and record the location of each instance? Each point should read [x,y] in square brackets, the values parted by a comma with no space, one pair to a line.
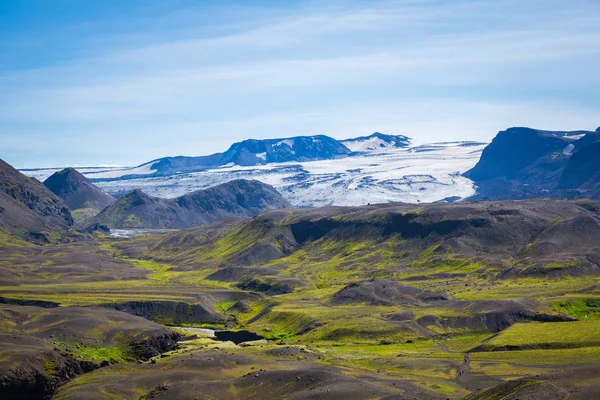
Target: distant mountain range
[313,171]
[31,211]
[239,198]
[527,163]
[254,152]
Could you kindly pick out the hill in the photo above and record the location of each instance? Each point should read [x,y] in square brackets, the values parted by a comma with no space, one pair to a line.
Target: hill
[526,163]
[436,300]
[28,209]
[77,191]
[240,198]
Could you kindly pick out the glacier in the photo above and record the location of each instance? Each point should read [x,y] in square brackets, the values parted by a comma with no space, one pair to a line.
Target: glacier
[415,174]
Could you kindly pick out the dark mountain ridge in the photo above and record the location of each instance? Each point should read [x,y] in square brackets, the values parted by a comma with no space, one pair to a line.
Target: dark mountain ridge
[28,209]
[526,163]
[77,191]
[239,198]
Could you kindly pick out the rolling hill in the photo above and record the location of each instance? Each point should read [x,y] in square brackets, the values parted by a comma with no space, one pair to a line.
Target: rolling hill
[239,198]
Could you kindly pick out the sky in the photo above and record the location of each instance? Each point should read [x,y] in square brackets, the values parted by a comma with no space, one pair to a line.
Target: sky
[103,82]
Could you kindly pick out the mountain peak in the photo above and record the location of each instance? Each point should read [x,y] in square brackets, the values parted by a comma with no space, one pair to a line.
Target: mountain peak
[298,148]
[76,190]
[66,175]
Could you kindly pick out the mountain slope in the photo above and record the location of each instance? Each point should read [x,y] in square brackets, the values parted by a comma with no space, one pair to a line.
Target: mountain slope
[524,163]
[28,209]
[376,141]
[77,191]
[240,198]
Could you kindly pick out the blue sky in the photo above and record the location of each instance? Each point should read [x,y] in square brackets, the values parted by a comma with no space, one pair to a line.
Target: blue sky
[122,82]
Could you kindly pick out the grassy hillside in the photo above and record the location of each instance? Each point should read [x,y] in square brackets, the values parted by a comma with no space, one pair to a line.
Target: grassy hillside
[440,301]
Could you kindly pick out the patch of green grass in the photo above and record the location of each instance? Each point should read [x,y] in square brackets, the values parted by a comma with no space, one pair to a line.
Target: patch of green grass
[547,335]
[225,305]
[445,389]
[581,309]
[542,357]
[114,354]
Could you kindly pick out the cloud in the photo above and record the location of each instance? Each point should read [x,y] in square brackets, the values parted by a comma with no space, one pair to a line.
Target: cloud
[220,72]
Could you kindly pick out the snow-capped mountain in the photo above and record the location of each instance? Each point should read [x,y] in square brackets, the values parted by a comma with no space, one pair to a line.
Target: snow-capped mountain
[408,174]
[312,170]
[376,141]
[301,148]
[254,152]
[249,152]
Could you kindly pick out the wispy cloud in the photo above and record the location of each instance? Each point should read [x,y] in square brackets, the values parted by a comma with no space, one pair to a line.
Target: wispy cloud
[216,71]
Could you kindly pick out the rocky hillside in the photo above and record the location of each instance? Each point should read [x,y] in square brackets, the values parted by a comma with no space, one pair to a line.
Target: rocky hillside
[240,198]
[28,209]
[525,163]
[77,191]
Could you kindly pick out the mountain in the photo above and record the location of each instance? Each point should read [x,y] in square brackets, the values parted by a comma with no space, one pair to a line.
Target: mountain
[28,209]
[376,141]
[246,153]
[239,198]
[525,163]
[300,148]
[77,191]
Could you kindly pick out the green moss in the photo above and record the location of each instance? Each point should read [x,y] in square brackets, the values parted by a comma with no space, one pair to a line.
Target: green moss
[225,305]
[9,240]
[114,354]
[132,221]
[559,266]
[581,309]
[50,367]
[548,335]
[84,213]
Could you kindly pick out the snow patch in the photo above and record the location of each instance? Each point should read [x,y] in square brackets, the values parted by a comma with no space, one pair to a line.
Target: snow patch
[370,144]
[262,156]
[567,151]
[287,142]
